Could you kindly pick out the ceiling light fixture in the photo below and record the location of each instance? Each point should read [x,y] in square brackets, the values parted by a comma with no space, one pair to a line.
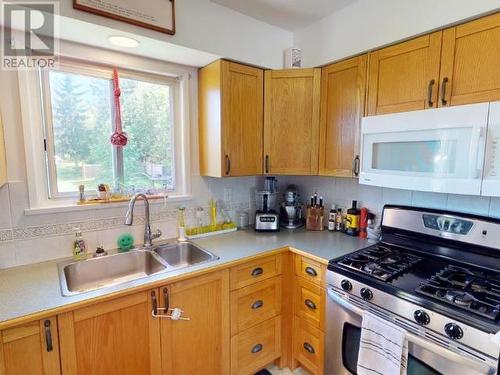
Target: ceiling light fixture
[123,41]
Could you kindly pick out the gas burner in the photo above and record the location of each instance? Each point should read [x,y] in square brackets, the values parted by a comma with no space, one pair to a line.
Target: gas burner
[380,261]
[475,291]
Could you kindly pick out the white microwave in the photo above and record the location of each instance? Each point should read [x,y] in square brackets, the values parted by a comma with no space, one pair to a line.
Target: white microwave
[437,150]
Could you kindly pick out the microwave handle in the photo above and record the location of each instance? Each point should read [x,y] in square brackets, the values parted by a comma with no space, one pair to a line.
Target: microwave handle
[426,344]
[476,155]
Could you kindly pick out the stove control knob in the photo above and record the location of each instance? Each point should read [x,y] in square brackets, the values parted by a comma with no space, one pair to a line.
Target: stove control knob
[346,285]
[366,294]
[453,331]
[421,317]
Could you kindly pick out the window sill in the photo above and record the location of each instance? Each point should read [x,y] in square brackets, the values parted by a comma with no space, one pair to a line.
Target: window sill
[70,206]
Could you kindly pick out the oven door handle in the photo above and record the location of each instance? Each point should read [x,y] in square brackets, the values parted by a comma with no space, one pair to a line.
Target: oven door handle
[482,367]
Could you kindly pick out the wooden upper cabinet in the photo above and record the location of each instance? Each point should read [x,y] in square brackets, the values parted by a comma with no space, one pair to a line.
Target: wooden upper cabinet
[201,344]
[291,121]
[342,106]
[3,164]
[30,349]
[470,63]
[116,337]
[231,102]
[404,77]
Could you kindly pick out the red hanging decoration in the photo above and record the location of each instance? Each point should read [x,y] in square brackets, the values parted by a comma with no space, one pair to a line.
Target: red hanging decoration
[119,137]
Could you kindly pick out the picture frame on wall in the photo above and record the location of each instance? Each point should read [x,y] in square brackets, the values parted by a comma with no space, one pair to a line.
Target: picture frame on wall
[158,15]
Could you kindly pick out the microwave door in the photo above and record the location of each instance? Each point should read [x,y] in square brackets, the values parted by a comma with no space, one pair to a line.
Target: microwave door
[435,150]
[491,180]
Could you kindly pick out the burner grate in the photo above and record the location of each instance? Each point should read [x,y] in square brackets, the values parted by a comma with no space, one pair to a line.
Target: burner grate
[478,292]
[380,261]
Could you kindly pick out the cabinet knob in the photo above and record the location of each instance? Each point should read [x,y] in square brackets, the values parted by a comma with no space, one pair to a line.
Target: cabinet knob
[257,348]
[257,304]
[310,304]
[257,271]
[311,271]
[309,348]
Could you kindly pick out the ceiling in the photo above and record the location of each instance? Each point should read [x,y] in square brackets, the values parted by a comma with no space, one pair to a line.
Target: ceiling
[287,14]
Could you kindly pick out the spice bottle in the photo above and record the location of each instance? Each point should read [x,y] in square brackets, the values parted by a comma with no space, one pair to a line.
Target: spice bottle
[331,218]
[339,221]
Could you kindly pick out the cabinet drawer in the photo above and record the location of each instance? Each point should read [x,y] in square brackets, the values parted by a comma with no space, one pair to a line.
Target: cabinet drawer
[255,271]
[255,303]
[310,270]
[254,348]
[308,346]
[309,302]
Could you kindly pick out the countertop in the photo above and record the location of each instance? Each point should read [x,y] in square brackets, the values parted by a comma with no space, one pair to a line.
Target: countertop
[34,290]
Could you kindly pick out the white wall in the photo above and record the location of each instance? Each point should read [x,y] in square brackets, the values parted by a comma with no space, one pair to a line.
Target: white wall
[201,25]
[368,24]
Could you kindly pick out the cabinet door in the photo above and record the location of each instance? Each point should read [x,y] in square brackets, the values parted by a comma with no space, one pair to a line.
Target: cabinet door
[242,119]
[291,121]
[117,337]
[342,106]
[3,164]
[31,349]
[470,71]
[404,77]
[201,344]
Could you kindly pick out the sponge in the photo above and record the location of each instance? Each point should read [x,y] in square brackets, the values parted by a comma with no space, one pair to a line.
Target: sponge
[125,242]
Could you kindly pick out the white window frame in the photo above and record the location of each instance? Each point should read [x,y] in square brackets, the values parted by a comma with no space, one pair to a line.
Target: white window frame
[34,113]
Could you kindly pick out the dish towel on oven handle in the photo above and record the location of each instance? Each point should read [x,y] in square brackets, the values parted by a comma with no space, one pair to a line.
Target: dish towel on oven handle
[383,348]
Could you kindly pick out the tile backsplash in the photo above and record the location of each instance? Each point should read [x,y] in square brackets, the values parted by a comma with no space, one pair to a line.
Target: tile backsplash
[341,191]
[26,239]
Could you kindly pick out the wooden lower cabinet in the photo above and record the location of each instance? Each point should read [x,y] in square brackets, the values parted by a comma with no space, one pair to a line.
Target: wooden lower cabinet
[256,347]
[308,346]
[116,337]
[30,349]
[200,345]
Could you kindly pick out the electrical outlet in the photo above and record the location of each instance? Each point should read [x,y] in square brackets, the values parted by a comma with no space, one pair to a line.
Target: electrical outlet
[228,195]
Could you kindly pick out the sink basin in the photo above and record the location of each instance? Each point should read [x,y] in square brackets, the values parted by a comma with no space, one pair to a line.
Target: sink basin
[184,254]
[91,274]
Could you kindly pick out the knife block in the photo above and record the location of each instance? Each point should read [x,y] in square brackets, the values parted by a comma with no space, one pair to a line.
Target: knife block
[315,218]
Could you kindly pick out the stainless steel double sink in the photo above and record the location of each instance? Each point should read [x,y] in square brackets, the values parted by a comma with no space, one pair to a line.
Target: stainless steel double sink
[78,277]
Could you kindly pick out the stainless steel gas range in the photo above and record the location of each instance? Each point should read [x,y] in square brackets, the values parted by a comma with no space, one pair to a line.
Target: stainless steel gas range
[437,275]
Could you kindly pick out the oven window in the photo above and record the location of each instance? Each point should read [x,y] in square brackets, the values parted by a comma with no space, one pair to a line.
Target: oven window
[350,347]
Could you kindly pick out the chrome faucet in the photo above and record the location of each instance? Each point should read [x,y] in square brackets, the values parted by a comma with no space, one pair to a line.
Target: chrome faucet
[129,219]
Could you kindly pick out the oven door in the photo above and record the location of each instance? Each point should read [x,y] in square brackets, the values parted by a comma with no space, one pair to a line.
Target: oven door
[424,356]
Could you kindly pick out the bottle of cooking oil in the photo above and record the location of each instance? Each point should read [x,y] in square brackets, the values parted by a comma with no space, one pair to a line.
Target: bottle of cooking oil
[352,220]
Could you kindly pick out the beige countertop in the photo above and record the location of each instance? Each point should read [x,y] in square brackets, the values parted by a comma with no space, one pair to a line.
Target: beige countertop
[34,290]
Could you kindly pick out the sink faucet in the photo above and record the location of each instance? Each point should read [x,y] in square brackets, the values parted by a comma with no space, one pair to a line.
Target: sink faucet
[129,219]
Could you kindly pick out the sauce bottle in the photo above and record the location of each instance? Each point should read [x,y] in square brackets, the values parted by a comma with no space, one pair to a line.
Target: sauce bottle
[352,220]
[331,218]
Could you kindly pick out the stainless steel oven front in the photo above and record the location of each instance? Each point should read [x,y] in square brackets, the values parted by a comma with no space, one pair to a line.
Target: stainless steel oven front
[425,356]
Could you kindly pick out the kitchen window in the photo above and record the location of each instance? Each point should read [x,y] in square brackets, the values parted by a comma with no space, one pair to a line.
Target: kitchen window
[78,120]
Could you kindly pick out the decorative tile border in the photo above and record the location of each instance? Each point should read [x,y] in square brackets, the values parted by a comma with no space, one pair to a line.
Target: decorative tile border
[52,230]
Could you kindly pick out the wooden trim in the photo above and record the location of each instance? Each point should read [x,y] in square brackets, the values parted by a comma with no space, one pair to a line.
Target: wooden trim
[68,346]
[109,306]
[128,20]
[18,333]
[478,25]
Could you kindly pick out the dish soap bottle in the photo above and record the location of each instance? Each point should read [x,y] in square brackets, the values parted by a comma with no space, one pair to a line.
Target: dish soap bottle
[79,246]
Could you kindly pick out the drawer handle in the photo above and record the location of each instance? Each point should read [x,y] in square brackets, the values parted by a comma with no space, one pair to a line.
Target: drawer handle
[311,271]
[308,347]
[48,336]
[257,348]
[257,304]
[310,304]
[257,271]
